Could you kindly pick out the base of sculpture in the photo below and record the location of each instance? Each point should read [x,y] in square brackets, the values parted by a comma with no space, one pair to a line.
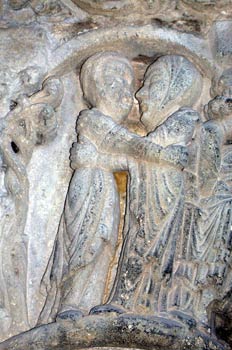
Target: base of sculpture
[128,330]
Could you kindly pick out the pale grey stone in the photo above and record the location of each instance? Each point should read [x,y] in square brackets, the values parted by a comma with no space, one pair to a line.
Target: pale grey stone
[142,89]
[222,41]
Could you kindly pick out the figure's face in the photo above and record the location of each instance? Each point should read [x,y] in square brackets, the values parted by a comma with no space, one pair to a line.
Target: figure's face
[147,97]
[30,126]
[115,89]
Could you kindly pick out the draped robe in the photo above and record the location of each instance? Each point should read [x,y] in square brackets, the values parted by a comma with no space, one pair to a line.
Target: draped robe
[202,272]
[154,217]
[87,236]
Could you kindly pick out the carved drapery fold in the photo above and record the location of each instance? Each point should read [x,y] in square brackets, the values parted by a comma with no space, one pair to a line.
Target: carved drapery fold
[149,98]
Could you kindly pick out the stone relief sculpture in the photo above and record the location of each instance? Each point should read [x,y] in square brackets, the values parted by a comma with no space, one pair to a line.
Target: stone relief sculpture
[156,191]
[32,122]
[151,99]
[156,185]
[202,271]
[107,81]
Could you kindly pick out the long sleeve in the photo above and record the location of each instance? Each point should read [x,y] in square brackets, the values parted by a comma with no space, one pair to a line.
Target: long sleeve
[112,138]
[211,140]
[112,162]
[121,141]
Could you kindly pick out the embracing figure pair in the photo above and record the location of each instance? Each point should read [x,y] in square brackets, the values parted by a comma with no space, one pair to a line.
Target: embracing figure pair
[88,233]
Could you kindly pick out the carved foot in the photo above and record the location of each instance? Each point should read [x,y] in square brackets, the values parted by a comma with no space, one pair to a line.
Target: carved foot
[69,315]
[106,309]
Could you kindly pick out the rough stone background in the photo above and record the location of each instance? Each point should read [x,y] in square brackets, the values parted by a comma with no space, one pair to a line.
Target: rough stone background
[57,36]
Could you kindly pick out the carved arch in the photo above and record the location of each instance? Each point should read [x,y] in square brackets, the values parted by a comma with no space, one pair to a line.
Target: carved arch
[134,41]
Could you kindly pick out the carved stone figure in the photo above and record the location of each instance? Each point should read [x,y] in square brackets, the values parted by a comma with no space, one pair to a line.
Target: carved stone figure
[156,192]
[136,259]
[88,240]
[202,275]
[31,123]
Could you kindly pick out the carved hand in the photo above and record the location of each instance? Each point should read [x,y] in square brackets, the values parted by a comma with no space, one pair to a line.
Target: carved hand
[83,154]
[84,118]
[176,155]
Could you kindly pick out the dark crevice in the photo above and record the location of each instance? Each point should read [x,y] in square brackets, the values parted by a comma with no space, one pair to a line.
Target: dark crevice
[14,147]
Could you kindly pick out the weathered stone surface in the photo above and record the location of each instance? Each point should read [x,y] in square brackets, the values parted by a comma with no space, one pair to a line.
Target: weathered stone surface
[124,331]
[115,174]
[222,42]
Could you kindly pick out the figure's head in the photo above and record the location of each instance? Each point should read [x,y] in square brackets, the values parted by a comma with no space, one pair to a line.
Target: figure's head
[169,83]
[107,81]
[223,84]
[220,107]
[32,125]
